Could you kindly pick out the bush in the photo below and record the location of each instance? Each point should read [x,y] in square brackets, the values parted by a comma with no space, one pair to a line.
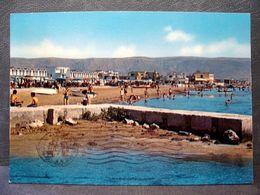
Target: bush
[114,114]
[91,117]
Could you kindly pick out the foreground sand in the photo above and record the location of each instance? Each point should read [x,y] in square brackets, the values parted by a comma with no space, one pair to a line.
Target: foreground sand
[105,135]
[104,95]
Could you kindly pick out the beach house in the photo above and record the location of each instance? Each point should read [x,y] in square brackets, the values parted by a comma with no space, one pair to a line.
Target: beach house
[32,73]
[202,77]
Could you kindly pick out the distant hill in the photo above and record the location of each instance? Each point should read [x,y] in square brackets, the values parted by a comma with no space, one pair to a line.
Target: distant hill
[237,68]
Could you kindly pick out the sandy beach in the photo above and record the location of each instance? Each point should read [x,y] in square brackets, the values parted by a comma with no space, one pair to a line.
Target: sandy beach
[105,135]
[104,95]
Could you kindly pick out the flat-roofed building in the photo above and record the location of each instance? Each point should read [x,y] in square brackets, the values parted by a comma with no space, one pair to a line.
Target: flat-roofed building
[143,75]
[203,77]
[77,74]
[32,72]
[107,75]
[59,72]
[152,75]
[136,75]
[177,78]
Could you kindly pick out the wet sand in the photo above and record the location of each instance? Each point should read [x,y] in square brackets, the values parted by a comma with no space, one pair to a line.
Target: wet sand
[105,135]
[104,95]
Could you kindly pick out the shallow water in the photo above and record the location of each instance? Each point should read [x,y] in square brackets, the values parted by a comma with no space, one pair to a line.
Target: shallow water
[131,168]
[211,101]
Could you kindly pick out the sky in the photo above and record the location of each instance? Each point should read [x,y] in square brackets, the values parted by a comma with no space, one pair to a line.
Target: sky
[129,34]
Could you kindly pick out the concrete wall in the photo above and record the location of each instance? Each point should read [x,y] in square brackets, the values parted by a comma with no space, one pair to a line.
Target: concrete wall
[50,114]
[194,121]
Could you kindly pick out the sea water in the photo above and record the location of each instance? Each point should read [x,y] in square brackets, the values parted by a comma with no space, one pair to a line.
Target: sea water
[131,168]
[209,101]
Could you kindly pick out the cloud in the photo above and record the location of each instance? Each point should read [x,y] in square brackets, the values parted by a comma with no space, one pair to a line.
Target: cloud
[177,35]
[125,51]
[225,48]
[47,48]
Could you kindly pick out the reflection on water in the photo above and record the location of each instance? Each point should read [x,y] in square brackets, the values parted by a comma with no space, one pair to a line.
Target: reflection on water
[209,101]
[114,167]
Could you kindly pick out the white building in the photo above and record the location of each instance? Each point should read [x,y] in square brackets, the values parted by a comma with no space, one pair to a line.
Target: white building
[30,72]
[177,78]
[76,74]
[107,75]
[59,72]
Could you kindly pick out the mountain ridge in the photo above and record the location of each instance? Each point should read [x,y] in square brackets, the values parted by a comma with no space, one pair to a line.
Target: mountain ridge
[222,67]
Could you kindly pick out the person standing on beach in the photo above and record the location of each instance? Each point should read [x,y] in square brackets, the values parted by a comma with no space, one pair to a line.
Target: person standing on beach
[90,88]
[170,92]
[146,95]
[158,91]
[66,96]
[86,100]
[125,92]
[122,94]
[35,101]
[132,88]
[14,99]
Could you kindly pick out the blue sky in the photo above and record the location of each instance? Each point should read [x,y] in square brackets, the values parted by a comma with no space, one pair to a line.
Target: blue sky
[127,34]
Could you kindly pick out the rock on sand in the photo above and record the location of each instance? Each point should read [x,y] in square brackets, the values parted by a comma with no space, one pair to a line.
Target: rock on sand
[230,137]
[36,124]
[154,126]
[128,121]
[70,121]
[146,126]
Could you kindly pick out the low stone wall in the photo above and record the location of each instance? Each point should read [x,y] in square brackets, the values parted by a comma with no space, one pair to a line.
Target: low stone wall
[198,122]
[51,114]
[195,121]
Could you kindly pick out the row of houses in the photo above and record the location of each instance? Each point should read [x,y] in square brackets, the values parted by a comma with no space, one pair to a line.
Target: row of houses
[61,73]
[173,77]
[64,73]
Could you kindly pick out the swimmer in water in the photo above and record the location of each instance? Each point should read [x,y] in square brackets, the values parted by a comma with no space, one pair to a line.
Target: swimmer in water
[227,102]
[164,95]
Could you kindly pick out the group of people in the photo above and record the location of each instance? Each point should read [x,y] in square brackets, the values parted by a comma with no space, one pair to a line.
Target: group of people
[170,94]
[16,102]
[123,95]
[133,98]
[86,99]
[26,83]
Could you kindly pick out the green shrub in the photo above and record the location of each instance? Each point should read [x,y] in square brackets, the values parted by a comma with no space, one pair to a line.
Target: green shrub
[113,114]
